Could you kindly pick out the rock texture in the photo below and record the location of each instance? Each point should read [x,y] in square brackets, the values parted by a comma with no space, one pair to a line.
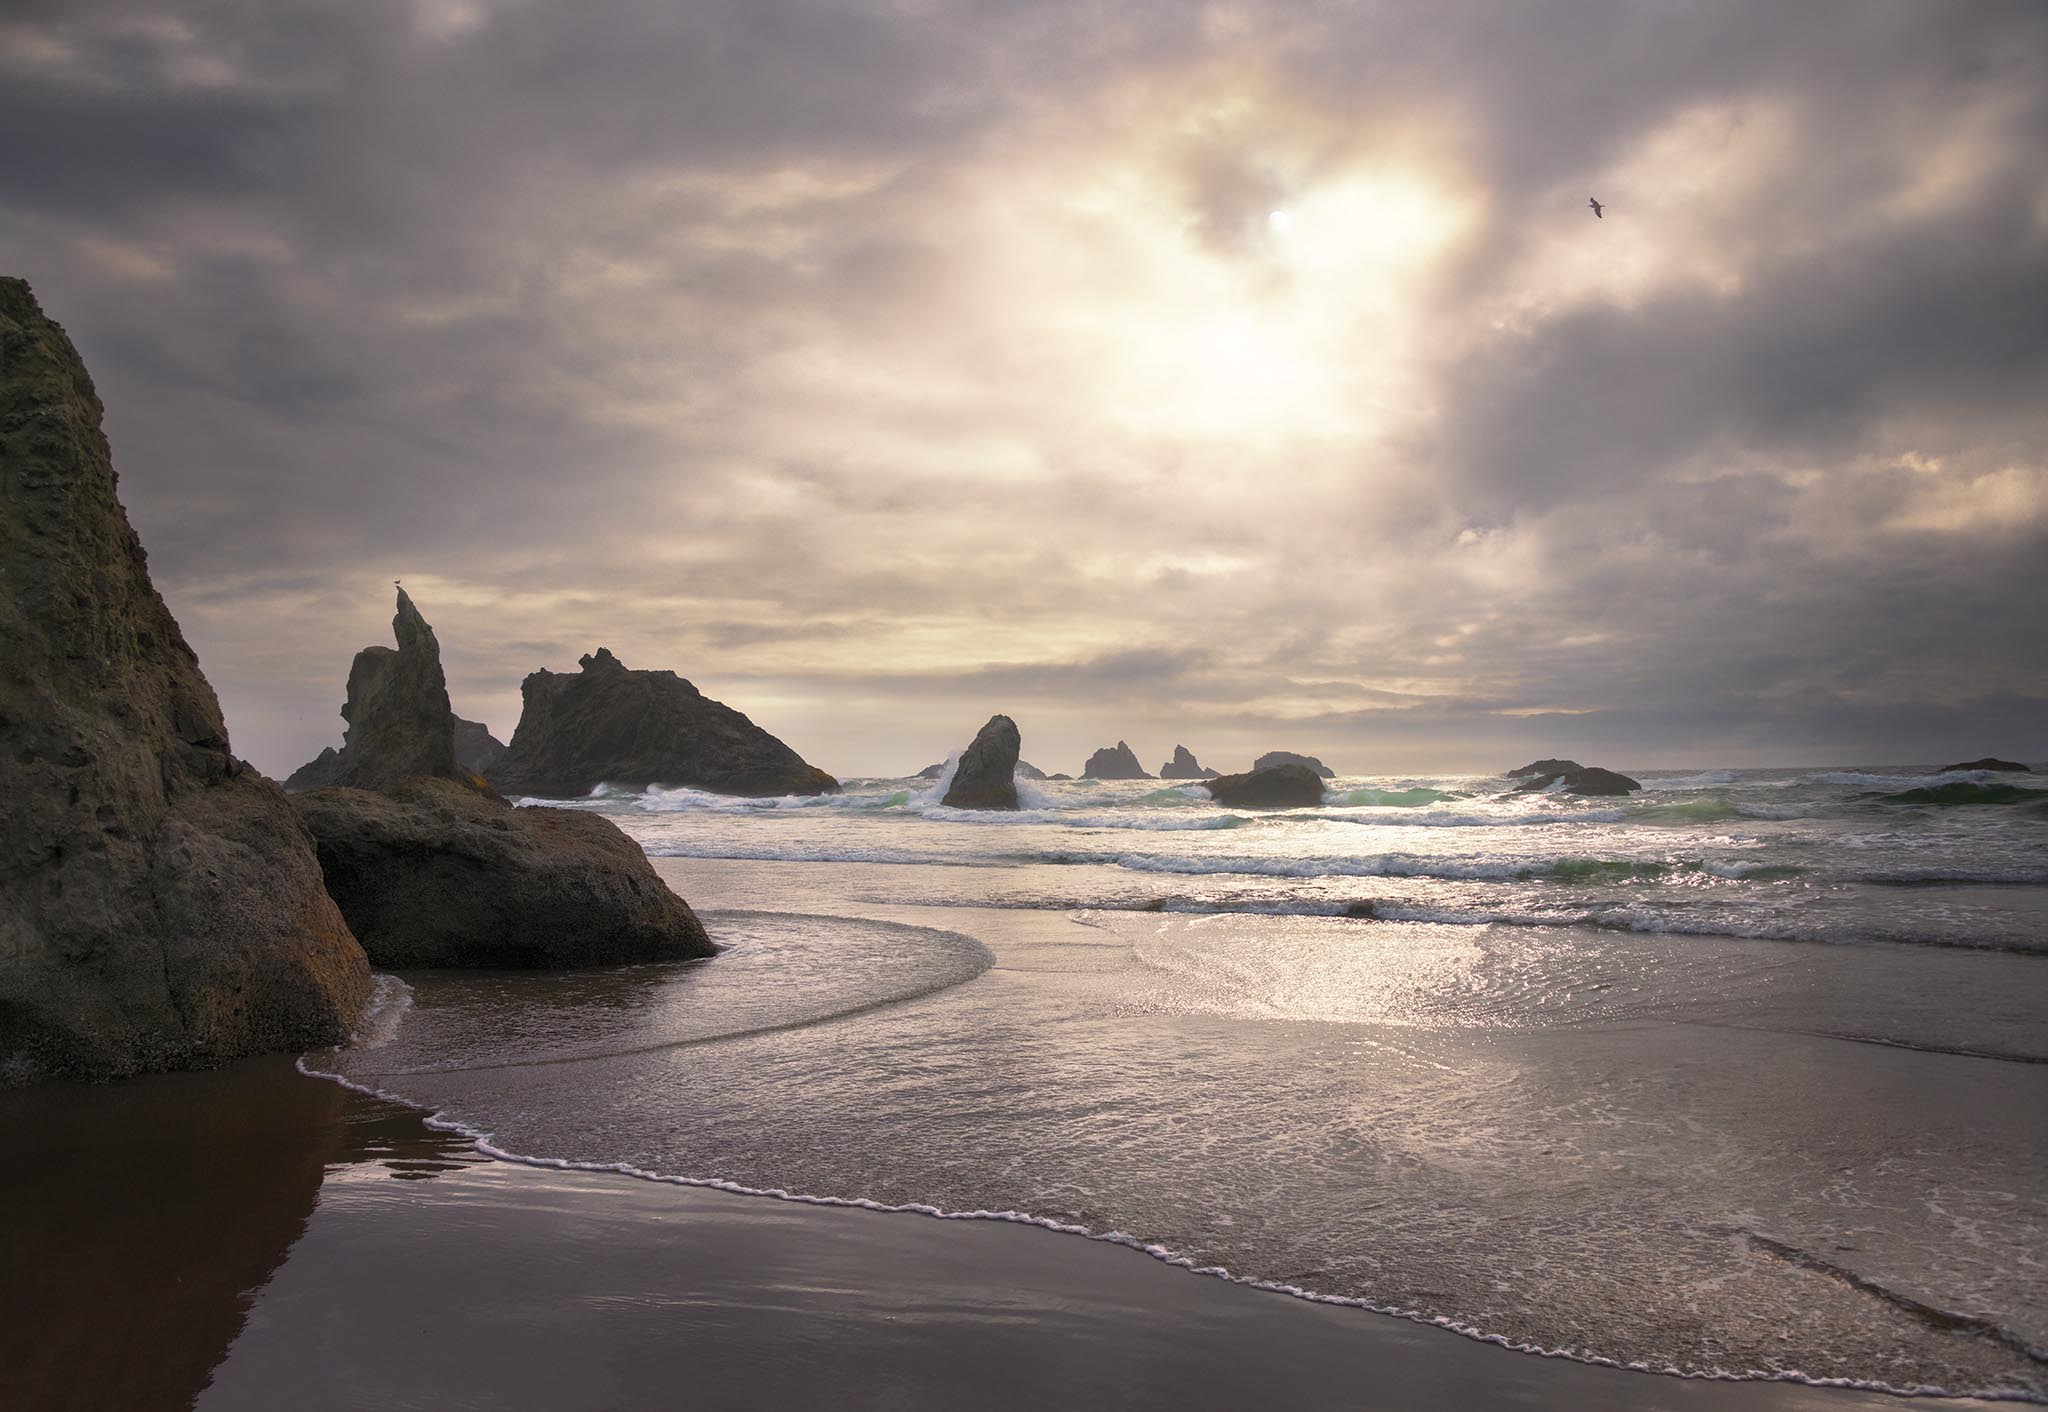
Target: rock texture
[476,749]
[1184,766]
[432,873]
[1282,786]
[159,905]
[1274,758]
[1990,763]
[1581,779]
[987,777]
[1547,768]
[611,725]
[1117,762]
[433,868]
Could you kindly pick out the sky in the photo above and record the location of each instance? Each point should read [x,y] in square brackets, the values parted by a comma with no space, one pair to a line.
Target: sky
[1247,376]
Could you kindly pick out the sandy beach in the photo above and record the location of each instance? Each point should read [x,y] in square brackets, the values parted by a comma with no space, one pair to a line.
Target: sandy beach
[255,1239]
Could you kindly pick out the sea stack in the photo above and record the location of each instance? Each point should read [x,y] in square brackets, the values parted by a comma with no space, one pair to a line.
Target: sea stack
[611,724]
[1273,758]
[1577,779]
[1184,766]
[987,777]
[1117,762]
[476,750]
[433,868]
[160,907]
[1283,786]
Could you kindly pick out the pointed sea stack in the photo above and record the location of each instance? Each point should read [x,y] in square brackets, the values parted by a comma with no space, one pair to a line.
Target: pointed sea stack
[987,777]
[432,868]
[1284,786]
[1116,762]
[609,724]
[1184,766]
[1287,757]
[159,905]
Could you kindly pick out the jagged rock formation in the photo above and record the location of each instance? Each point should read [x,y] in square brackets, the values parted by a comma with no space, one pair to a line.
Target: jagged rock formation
[433,868]
[476,750]
[1184,766]
[1273,758]
[1548,768]
[1990,763]
[1282,786]
[987,777]
[430,872]
[1116,762]
[159,905]
[1025,771]
[1580,779]
[612,725]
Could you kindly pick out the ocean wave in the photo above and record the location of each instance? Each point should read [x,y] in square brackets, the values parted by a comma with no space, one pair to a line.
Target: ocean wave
[1395,798]
[1706,779]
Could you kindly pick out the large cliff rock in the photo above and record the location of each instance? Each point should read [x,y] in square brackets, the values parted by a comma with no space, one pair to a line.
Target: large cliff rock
[611,725]
[1184,766]
[432,873]
[1114,762]
[432,868]
[987,777]
[1283,786]
[1274,758]
[159,905]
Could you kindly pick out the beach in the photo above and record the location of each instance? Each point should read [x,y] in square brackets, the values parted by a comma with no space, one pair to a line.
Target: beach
[256,1239]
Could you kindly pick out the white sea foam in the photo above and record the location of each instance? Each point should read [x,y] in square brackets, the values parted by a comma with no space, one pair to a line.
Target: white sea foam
[485,1144]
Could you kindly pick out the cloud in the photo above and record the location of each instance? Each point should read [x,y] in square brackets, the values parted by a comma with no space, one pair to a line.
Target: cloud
[1236,375]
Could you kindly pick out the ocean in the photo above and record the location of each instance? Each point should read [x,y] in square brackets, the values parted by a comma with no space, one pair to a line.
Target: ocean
[1745,1075]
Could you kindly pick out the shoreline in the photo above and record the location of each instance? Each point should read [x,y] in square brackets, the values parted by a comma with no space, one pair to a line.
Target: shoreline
[318,1243]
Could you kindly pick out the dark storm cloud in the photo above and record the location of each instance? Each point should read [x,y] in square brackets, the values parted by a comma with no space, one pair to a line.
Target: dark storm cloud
[837,354]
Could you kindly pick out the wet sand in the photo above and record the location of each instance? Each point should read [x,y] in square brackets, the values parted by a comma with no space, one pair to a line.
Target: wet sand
[253,1239]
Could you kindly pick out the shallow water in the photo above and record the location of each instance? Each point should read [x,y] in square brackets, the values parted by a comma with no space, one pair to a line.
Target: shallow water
[1582,1081]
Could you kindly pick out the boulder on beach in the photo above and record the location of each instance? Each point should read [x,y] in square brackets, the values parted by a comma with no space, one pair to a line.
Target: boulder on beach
[1282,786]
[433,868]
[611,724]
[987,777]
[1184,766]
[1989,763]
[1549,769]
[1273,758]
[160,906]
[1117,762]
[1582,779]
[430,872]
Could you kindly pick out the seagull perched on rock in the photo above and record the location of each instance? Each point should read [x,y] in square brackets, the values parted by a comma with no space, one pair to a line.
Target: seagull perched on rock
[1597,208]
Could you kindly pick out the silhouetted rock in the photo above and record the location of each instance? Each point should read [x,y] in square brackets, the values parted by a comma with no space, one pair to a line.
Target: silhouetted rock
[1025,771]
[1283,786]
[1059,777]
[1585,779]
[399,722]
[1548,768]
[1184,766]
[987,777]
[611,725]
[159,905]
[1114,763]
[1989,763]
[431,873]
[1287,757]
[476,749]
[317,773]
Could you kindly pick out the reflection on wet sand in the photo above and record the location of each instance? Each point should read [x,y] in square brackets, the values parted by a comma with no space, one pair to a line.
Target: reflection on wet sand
[140,1219]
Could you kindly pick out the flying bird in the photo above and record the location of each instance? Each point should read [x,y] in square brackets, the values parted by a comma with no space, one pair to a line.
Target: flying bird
[1597,208]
